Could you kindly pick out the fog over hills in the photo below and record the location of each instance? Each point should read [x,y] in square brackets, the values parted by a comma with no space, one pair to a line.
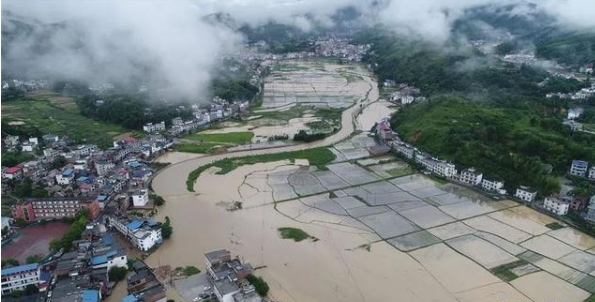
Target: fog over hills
[176,44]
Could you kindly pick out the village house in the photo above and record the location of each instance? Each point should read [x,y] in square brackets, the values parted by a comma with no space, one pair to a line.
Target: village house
[592,173]
[405,149]
[579,168]
[493,186]
[15,172]
[525,194]
[150,127]
[144,234]
[228,276]
[556,205]
[66,177]
[438,167]
[143,286]
[140,198]
[19,277]
[471,177]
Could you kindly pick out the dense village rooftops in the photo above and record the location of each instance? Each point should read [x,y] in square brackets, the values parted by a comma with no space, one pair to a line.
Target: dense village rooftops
[19,269]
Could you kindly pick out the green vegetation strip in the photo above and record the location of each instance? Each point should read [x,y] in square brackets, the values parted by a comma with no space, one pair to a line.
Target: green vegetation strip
[318,157]
[554,226]
[293,233]
[231,137]
[190,148]
[504,271]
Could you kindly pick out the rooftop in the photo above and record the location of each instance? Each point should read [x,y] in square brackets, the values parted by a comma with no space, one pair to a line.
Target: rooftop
[580,163]
[13,170]
[19,269]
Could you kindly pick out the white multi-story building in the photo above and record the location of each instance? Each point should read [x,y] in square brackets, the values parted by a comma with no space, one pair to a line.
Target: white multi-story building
[556,205]
[591,174]
[18,277]
[405,149]
[579,168]
[144,234]
[66,177]
[50,152]
[103,167]
[150,127]
[493,186]
[438,167]
[80,165]
[525,194]
[140,198]
[85,150]
[470,176]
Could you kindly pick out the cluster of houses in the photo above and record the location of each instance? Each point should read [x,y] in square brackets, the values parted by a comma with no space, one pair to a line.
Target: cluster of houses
[218,110]
[81,274]
[472,177]
[227,276]
[404,93]
[334,46]
[582,94]
[90,177]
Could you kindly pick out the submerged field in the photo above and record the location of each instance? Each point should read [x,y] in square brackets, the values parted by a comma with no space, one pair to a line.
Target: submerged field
[51,113]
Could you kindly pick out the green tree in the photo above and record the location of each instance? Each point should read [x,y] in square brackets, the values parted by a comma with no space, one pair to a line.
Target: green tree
[117,273]
[55,244]
[166,228]
[10,262]
[31,289]
[34,259]
[262,288]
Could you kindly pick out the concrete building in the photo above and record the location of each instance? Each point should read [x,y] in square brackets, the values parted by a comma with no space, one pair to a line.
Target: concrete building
[591,211]
[48,208]
[591,174]
[144,234]
[15,172]
[226,274]
[525,194]
[140,198]
[493,186]
[66,177]
[438,167]
[579,168]
[18,277]
[150,127]
[406,150]
[556,205]
[103,167]
[143,286]
[471,177]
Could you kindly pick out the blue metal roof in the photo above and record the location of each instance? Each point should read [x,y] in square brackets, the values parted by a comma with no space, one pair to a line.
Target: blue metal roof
[82,178]
[111,253]
[90,296]
[102,197]
[67,172]
[107,239]
[19,269]
[99,260]
[130,298]
[135,224]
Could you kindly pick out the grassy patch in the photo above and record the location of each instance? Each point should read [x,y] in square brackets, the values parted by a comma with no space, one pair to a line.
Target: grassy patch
[62,118]
[191,270]
[190,148]
[231,137]
[318,157]
[554,226]
[504,271]
[293,233]
[400,171]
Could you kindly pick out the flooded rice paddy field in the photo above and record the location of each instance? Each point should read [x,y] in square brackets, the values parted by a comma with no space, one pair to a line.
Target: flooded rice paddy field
[405,237]
[318,83]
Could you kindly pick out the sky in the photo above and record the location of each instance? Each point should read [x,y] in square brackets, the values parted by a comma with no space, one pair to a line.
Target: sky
[120,41]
